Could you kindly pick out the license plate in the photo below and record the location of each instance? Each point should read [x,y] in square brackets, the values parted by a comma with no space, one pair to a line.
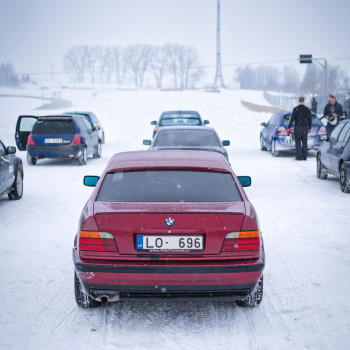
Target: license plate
[53,140]
[171,243]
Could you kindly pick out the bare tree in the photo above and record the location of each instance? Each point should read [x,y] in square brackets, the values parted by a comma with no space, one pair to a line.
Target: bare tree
[173,51]
[159,64]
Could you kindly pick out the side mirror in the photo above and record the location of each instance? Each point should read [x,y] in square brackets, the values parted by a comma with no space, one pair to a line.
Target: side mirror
[97,127]
[206,121]
[323,137]
[153,122]
[263,124]
[91,180]
[147,142]
[245,181]
[11,150]
[226,142]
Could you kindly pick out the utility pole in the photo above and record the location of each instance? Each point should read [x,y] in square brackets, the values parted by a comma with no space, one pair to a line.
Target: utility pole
[218,81]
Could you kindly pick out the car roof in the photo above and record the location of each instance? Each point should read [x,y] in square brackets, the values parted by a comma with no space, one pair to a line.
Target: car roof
[187,127]
[66,117]
[168,159]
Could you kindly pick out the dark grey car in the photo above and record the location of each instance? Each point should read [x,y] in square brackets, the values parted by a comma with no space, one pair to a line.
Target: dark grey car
[200,138]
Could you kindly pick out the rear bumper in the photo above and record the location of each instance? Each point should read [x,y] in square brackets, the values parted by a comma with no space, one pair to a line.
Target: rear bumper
[313,142]
[226,280]
[69,151]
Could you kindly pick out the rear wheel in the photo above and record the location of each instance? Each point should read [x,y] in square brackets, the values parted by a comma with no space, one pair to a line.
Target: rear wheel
[254,299]
[262,146]
[344,179]
[31,160]
[18,187]
[321,171]
[81,298]
[274,152]
[83,157]
[98,151]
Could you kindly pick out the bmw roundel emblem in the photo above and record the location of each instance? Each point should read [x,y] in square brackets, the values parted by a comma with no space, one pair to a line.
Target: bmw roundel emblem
[169,222]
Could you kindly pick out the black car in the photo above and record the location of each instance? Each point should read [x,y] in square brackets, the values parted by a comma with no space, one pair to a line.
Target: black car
[200,138]
[11,173]
[57,136]
[333,157]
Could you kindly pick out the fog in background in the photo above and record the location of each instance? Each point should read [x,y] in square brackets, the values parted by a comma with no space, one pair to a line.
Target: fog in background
[34,35]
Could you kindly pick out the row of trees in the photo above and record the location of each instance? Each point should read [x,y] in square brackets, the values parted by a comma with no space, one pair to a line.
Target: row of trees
[8,76]
[288,79]
[170,65]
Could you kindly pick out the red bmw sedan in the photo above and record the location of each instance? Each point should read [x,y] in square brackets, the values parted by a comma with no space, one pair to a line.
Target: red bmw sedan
[168,224]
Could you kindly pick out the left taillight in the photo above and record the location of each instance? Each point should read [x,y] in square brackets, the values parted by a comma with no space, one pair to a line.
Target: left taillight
[76,140]
[281,131]
[30,140]
[94,241]
[322,131]
[241,241]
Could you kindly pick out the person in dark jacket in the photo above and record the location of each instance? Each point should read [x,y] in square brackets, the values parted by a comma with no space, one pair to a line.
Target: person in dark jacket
[313,105]
[332,112]
[301,117]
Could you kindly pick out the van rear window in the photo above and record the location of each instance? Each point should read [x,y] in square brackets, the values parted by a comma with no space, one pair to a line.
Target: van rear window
[169,186]
[54,127]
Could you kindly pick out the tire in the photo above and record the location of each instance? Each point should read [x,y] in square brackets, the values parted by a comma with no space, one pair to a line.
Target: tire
[83,157]
[262,146]
[344,179]
[18,187]
[321,171]
[98,151]
[274,152]
[256,298]
[31,160]
[81,298]
[103,138]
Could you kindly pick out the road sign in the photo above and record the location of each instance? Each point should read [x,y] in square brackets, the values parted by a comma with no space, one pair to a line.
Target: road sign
[305,58]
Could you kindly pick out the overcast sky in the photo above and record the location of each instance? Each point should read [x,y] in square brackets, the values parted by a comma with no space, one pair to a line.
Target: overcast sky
[35,34]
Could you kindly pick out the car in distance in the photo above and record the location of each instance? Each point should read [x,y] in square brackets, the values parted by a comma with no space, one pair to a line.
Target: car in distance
[188,137]
[95,123]
[333,157]
[274,134]
[57,136]
[11,173]
[171,118]
[168,224]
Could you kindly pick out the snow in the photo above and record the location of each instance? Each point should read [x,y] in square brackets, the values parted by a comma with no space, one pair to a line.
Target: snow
[305,224]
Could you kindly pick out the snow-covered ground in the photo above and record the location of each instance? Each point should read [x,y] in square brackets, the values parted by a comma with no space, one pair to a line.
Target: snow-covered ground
[305,223]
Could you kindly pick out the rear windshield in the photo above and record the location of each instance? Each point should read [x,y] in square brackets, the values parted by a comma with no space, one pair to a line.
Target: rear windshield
[169,186]
[186,138]
[183,120]
[54,127]
[315,120]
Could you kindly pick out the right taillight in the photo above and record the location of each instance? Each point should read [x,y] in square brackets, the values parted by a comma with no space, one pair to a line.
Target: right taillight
[322,131]
[241,241]
[30,140]
[97,241]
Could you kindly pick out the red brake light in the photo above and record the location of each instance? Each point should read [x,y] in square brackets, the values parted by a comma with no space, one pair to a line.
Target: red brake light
[97,241]
[241,241]
[30,140]
[281,131]
[322,131]
[76,140]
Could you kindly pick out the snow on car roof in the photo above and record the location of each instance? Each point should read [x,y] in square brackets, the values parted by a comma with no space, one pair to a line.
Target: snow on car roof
[168,159]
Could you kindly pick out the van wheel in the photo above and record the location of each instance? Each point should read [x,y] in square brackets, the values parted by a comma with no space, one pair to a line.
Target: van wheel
[31,160]
[18,187]
[344,179]
[81,298]
[254,299]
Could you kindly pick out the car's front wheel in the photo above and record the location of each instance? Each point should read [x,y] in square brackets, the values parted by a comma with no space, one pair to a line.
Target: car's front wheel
[254,299]
[31,160]
[274,152]
[18,187]
[83,157]
[262,146]
[81,298]
[321,171]
[344,179]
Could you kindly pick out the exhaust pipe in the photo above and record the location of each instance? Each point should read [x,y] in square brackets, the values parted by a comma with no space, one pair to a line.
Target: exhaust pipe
[104,298]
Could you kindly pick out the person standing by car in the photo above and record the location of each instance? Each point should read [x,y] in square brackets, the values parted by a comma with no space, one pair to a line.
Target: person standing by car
[313,105]
[301,117]
[347,109]
[332,112]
